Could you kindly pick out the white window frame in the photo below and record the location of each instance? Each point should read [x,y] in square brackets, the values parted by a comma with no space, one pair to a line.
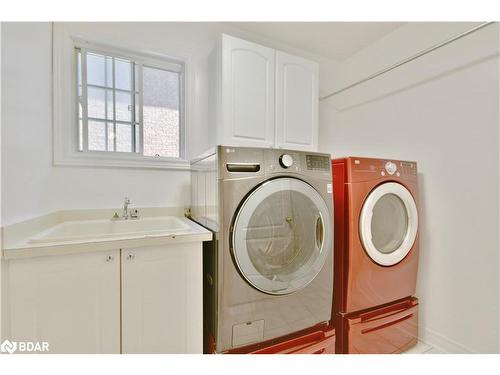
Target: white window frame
[65,108]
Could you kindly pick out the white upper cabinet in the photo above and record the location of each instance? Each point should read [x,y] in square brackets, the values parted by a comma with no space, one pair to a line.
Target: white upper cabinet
[261,97]
[296,102]
[247,93]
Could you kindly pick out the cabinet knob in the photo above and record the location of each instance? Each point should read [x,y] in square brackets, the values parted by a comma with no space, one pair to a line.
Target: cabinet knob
[130,256]
[110,258]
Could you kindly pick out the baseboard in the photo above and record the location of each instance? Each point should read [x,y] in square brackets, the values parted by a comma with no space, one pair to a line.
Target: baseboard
[444,344]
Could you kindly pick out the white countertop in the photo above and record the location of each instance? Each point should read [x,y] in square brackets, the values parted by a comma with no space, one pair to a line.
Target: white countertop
[21,247]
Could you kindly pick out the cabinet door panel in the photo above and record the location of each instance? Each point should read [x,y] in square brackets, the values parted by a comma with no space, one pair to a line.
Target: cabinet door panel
[70,301]
[296,102]
[162,299]
[247,93]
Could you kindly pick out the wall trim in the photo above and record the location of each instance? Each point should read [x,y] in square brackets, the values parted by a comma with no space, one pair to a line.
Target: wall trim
[445,344]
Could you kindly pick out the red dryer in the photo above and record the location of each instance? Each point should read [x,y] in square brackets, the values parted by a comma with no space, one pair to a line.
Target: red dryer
[376,255]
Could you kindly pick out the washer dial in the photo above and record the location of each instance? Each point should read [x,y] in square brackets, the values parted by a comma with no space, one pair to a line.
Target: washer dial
[286,160]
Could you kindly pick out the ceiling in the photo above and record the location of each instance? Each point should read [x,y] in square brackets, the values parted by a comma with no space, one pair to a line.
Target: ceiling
[335,40]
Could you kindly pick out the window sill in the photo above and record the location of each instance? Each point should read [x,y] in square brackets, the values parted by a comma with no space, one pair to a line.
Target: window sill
[81,159]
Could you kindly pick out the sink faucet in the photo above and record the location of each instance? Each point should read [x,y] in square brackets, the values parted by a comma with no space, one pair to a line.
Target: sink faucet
[125,214]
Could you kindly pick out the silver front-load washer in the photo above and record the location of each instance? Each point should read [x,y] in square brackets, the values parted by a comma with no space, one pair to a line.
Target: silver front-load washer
[269,270]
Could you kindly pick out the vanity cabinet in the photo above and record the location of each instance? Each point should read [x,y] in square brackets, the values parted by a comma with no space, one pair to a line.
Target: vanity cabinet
[141,300]
[162,299]
[262,97]
[70,301]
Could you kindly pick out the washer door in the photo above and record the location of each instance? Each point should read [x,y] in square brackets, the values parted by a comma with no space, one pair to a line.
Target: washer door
[281,236]
[388,223]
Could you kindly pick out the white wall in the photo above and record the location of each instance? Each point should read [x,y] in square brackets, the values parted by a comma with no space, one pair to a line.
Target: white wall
[443,112]
[31,185]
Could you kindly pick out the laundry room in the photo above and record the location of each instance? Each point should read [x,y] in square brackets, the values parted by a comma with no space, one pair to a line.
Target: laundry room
[250,186]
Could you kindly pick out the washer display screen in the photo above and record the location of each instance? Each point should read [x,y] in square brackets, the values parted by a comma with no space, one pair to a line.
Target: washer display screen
[317,162]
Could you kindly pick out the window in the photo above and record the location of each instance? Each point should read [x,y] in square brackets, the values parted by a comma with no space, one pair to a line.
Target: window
[128,105]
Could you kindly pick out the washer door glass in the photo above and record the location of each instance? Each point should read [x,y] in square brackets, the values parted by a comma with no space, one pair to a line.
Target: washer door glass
[388,223]
[281,236]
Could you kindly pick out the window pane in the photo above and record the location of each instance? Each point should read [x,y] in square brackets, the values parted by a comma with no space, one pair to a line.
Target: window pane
[123,74]
[123,106]
[137,138]
[123,138]
[97,136]
[161,116]
[119,124]
[96,102]
[136,77]
[137,107]
[80,127]
[111,136]
[95,69]
[109,71]
[79,72]
[80,135]
[109,106]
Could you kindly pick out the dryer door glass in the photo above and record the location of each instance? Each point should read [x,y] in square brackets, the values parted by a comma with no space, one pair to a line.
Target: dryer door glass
[280,239]
[388,223]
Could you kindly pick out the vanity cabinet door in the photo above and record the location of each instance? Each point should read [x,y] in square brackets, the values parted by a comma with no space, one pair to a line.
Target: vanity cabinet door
[162,299]
[296,102]
[70,301]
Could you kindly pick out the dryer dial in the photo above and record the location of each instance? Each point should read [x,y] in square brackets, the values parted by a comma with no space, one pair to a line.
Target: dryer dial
[286,160]
[390,167]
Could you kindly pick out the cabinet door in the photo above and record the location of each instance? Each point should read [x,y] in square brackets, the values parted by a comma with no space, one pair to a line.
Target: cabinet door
[162,298]
[247,93]
[70,301]
[296,102]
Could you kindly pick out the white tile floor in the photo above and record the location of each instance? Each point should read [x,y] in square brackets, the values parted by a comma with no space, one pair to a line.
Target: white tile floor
[423,348]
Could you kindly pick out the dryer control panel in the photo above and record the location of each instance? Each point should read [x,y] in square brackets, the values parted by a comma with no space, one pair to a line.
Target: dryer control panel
[364,169]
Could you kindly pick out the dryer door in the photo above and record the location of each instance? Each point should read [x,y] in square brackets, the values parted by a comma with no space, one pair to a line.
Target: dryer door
[388,223]
[281,236]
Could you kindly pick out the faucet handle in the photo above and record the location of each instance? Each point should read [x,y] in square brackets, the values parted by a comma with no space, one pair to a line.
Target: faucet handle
[134,214]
